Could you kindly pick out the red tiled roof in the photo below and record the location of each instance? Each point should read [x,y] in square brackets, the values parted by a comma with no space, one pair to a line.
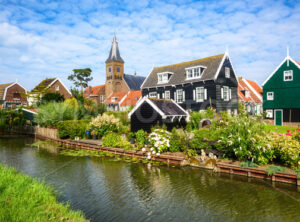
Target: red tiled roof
[298,63]
[254,90]
[94,90]
[117,98]
[132,98]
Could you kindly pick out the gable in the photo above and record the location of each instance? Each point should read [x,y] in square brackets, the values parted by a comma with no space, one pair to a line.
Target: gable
[134,82]
[276,79]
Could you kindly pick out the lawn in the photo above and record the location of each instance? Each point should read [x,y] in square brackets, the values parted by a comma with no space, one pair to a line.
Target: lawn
[23,198]
[279,129]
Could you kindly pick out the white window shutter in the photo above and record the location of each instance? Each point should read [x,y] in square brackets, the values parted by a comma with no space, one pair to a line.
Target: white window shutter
[157,95]
[205,94]
[222,93]
[163,95]
[175,96]
[194,94]
[183,95]
[229,93]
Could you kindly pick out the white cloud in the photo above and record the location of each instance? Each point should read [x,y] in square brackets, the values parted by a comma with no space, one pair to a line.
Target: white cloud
[50,39]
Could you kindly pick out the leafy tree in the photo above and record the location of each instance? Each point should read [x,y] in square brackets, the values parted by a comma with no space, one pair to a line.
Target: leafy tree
[51,97]
[81,77]
[77,95]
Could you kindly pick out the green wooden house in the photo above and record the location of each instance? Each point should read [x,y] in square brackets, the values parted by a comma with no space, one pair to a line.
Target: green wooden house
[281,93]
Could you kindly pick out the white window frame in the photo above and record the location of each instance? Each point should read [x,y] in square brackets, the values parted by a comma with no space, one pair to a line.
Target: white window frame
[226,94]
[270,96]
[288,75]
[200,91]
[153,94]
[163,77]
[269,113]
[194,72]
[177,96]
[227,72]
[167,95]
[57,88]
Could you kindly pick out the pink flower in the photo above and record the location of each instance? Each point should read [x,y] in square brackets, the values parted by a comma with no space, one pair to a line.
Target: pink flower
[288,131]
[288,134]
[279,134]
[298,130]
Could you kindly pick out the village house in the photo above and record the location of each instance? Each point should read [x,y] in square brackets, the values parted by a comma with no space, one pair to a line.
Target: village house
[117,84]
[12,95]
[54,85]
[281,92]
[196,85]
[250,95]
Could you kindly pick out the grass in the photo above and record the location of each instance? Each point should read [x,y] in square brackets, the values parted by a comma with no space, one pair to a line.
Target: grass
[279,129]
[272,169]
[23,198]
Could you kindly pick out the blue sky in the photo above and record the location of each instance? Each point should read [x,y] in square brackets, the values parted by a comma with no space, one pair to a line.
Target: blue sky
[40,39]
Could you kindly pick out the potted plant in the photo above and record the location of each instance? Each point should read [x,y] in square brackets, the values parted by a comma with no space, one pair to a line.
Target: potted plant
[94,134]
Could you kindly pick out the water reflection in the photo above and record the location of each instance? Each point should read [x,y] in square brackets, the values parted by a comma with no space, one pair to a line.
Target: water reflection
[108,190]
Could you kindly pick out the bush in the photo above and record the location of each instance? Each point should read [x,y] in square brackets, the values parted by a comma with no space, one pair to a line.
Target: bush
[196,117]
[141,137]
[201,139]
[52,113]
[160,140]
[11,119]
[72,128]
[105,123]
[115,140]
[122,116]
[274,169]
[51,97]
[179,141]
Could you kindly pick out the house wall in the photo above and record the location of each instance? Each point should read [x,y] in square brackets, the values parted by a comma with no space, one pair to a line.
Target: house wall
[21,98]
[286,93]
[62,90]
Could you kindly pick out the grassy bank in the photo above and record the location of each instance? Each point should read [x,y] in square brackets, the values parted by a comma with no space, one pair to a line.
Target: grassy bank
[23,198]
[279,129]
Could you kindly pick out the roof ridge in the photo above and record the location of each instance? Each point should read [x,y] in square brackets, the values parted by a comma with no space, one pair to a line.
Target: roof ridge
[191,61]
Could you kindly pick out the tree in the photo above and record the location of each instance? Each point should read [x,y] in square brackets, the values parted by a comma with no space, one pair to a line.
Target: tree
[81,77]
[51,97]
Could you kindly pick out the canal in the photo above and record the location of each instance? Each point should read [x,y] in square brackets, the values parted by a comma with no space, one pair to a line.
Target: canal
[106,189]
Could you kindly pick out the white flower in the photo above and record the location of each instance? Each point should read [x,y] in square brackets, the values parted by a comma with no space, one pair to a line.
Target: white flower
[157,154]
[149,157]
[151,149]
[153,152]
[143,149]
[149,154]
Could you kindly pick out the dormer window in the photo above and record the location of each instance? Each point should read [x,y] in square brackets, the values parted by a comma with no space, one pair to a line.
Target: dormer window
[288,75]
[227,72]
[114,99]
[194,72]
[164,77]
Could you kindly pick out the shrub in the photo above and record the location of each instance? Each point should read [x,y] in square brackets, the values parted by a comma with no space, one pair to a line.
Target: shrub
[160,140]
[196,117]
[179,141]
[51,97]
[201,139]
[122,116]
[11,118]
[115,140]
[141,137]
[105,123]
[52,113]
[72,128]
[274,169]
[246,164]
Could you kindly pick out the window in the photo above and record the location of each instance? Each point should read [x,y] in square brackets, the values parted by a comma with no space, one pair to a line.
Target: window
[226,93]
[269,113]
[270,96]
[163,77]
[118,69]
[153,95]
[109,69]
[247,94]
[194,72]
[57,88]
[179,96]
[288,75]
[199,94]
[167,95]
[227,72]
[114,99]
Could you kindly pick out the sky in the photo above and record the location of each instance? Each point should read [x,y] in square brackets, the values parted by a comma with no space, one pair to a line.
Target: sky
[40,39]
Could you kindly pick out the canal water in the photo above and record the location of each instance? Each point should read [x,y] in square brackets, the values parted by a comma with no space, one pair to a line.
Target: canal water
[109,190]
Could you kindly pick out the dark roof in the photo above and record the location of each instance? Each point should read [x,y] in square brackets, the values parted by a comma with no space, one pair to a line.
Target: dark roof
[211,63]
[168,107]
[42,85]
[134,82]
[114,54]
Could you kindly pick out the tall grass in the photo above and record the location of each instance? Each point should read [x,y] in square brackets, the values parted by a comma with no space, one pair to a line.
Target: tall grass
[23,198]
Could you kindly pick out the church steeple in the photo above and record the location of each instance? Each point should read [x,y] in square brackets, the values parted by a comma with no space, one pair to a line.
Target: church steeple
[114,54]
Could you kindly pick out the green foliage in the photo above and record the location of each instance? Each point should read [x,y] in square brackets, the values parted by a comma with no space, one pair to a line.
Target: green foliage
[81,77]
[278,129]
[26,199]
[272,169]
[160,140]
[179,141]
[141,137]
[72,128]
[105,123]
[298,174]
[77,95]
[52,113]
[51,97]
[115,140]
[202,139]
[196,117]
[11,119]
[123,116]
[246,164]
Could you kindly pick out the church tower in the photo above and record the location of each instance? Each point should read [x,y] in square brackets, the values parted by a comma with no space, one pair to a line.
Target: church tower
[114,71]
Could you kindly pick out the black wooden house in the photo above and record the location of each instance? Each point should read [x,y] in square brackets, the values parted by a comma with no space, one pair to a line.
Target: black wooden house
[196,85]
